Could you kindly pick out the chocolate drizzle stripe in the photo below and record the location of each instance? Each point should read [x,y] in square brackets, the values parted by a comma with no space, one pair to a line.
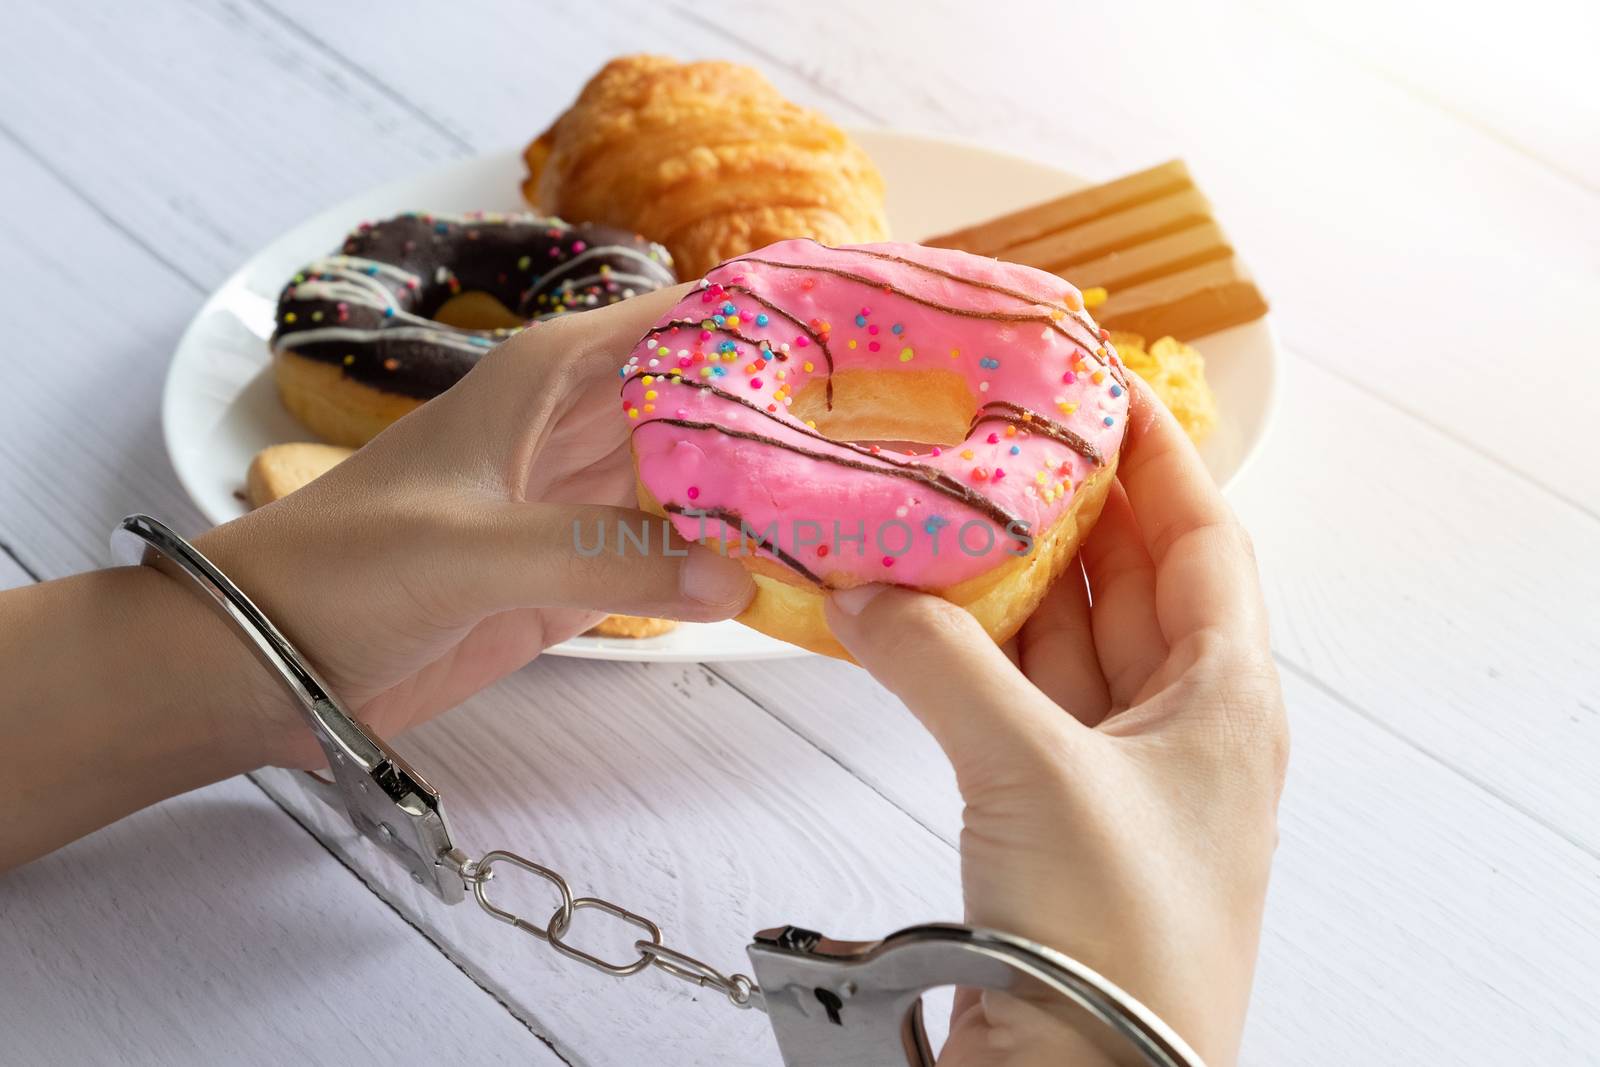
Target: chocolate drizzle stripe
[796,427]
[727,517]
[799,428]
[700,324]
[929,268]
[935,480]
[1093,345]
[651,264]
[1118,374]
[1012,414]
[1017,415]
[821,341]
[967,313]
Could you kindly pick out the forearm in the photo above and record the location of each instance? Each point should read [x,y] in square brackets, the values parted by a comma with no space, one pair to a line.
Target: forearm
[120,689]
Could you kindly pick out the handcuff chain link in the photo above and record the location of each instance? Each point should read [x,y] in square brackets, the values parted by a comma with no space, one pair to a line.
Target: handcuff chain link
[740,989]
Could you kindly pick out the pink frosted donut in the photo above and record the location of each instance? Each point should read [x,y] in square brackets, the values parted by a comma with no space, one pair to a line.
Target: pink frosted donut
[879,413]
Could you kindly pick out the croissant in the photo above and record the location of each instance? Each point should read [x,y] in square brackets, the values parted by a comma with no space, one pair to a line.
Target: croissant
[706,158]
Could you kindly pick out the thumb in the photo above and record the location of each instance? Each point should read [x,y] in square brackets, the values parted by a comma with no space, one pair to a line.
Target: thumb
[596,558]
[940,661]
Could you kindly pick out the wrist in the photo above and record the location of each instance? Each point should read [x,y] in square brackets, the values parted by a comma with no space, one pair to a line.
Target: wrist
[267,723]
[123,691]
[220,702]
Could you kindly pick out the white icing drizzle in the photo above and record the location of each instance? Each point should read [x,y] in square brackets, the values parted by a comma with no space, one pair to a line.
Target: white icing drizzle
[650,263]
[350,279]
[637,280]
[361,282]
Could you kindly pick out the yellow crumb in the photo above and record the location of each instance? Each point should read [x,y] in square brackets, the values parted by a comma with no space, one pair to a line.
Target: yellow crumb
[1177,374]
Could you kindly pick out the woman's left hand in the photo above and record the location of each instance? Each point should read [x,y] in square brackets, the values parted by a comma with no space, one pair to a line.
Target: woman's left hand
[443,555]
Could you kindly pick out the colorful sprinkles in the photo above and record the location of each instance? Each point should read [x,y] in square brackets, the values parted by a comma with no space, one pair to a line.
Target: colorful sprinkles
[747,323]
[370,307]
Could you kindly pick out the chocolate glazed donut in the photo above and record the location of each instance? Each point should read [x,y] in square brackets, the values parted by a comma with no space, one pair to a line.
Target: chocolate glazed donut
[357,345]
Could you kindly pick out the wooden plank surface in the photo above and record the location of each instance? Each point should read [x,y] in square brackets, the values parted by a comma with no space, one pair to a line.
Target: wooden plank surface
[1426,513]
[1443,60]
[664,789]
[12,572]
[1408,915]
[212,929]
[205,930]
[202,128]
[81,410]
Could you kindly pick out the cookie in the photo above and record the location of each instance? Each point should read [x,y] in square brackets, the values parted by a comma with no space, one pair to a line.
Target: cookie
[277,471]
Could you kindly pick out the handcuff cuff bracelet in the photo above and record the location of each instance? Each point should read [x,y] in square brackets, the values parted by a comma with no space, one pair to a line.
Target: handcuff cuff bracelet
[830,1003]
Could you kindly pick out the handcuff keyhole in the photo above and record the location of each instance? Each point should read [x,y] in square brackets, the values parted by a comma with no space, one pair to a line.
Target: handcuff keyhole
[830,1003]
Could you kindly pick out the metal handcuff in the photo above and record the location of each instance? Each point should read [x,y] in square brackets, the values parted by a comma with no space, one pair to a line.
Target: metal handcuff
[830,1003]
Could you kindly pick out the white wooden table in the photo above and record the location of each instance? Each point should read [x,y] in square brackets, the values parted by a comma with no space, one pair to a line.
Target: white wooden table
[1419,199]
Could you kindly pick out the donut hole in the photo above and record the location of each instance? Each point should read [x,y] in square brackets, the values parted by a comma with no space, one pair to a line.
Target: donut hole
[477,310]
[908,411]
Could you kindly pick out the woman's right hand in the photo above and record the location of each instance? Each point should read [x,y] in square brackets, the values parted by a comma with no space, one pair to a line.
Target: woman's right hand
[1121,766]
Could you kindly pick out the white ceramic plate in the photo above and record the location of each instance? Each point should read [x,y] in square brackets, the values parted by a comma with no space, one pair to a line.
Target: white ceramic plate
[220,406]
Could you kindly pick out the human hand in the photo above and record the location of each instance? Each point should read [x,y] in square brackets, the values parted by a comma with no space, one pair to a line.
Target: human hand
[1120,762]
[442,556]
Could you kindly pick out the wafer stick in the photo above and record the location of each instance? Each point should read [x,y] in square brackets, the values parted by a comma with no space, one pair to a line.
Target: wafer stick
[1190,303]
[988,238]
[1147,239]
[1153,259]
[1112,233]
